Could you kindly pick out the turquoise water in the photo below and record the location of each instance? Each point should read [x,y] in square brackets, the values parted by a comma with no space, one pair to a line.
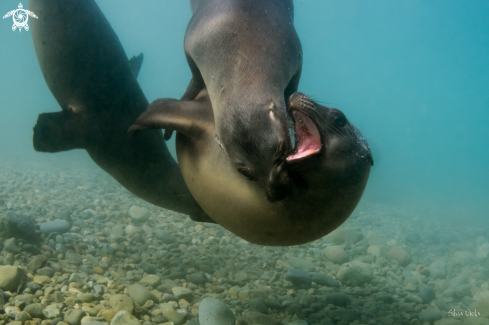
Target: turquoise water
[411,75]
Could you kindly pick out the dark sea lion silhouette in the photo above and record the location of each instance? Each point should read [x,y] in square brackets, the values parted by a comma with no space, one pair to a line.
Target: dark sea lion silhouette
[249,57]
[328,168]
[87,71]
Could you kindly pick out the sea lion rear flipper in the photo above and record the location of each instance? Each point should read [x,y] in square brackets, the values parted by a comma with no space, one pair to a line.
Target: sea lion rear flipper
[60,131]
[136,62]
[190,118]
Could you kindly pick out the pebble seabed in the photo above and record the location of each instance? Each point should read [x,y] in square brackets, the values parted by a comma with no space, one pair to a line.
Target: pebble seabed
[104,256]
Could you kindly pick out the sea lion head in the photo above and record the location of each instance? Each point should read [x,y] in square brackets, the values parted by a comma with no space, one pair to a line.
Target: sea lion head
[325,137]
[258,143]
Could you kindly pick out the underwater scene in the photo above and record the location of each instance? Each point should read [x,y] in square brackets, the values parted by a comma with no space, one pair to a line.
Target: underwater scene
[244,162]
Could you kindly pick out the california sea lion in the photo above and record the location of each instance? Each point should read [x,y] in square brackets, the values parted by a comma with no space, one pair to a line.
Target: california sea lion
[249,57]
[328,167]
[87,70]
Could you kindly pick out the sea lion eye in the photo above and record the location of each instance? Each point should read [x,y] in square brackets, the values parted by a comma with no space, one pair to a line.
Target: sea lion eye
[243,170]
[339,119]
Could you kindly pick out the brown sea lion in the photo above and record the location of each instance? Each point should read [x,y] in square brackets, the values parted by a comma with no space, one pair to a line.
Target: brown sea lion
[249,57]
[88,72]
[328,169]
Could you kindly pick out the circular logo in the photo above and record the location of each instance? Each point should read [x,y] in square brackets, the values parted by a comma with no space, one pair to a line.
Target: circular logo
[20,18]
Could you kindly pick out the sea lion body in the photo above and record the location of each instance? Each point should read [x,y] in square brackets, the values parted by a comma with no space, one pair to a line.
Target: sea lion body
[328,184]
[249,57]
[88,72]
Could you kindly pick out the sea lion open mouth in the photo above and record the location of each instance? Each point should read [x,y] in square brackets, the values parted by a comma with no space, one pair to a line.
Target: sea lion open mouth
[307,137]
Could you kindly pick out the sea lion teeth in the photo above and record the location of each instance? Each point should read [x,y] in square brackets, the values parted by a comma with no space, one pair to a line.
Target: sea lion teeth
[308,139]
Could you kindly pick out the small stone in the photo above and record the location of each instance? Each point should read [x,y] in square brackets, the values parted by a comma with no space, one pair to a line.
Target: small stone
[74,257]
[175,316]
[336,254]
[151,280]
[345,236]
[213,311]
[298,278]
[139,214]
[183,293]
[423,270]
[36,263]
[339,299]
[22,317]
[59,225]
[241,276]
[10,277]
[413,298]
[248,294]
[355,273]
[11,247]
[74,316]
[124,318]
[483,251]
[458,281]
[98,270]
[437,269]
[258,304]
[47,271]
[412,237]
[17,225]
[51,312]
[295,310]
[131,230]
[448,321]
[325,280]
[427,294]
[346,315]
[108,314]
[91,320]
[41,279]
[198,278]
[140,294]
[148,268]
[400,255]
[12,311]
[253,317]
[85,297]
[34,310]
[148,230]
[429,315]
[475,321]
[120,302]
[163,236]
[301,264]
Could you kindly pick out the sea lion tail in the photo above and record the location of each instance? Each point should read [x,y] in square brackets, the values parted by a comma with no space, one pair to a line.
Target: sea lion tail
[55,132]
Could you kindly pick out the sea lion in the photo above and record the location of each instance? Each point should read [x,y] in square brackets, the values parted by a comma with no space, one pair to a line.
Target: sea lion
[328,168]
[249,57]
[88,72]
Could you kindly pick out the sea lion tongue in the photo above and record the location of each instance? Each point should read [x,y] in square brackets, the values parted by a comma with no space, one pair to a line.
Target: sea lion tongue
[307,137]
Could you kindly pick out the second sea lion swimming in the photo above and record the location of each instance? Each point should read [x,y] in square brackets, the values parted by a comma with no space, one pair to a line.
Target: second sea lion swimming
[328,166]
[249,57]
[87,71]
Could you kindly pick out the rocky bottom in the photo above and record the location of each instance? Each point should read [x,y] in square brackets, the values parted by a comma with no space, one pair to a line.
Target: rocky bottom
[77,248]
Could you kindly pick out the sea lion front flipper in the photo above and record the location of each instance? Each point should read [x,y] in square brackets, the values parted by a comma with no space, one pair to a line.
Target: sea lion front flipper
[136,62]
[196,84]
[189,117]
